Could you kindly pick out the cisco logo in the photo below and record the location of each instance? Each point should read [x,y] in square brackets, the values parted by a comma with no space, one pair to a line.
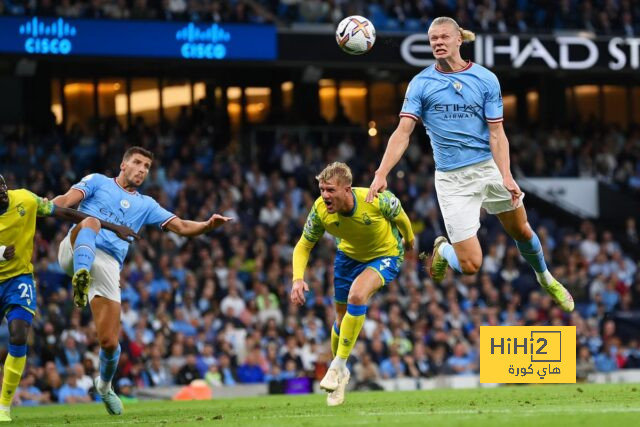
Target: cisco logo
[51,39]
[203,44]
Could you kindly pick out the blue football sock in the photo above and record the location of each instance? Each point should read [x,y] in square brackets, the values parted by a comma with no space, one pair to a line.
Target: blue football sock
[108,364]
[447,251]
[531,250]
[84,249]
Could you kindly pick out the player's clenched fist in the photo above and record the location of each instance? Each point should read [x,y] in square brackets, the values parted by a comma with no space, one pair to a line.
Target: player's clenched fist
[297,292]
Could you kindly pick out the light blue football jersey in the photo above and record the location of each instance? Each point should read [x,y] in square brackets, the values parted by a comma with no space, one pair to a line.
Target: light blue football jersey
[455,108]
[105,199]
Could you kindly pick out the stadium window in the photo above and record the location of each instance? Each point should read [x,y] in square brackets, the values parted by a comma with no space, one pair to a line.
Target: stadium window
[176,94]
[635,104]
[327,92]
[112,92]
[258,103]
[234,107]
[353,98]
[615,105]
[402,90]
[56,101]
[220,102]
[533,106]
[200,92]
[79,103]
[145,100]
[509,107]
[587,102]
[384,110]
[287,95]
[570,103]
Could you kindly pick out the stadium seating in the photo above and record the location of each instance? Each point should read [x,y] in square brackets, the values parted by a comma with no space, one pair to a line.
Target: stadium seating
[215,306]
[407,15]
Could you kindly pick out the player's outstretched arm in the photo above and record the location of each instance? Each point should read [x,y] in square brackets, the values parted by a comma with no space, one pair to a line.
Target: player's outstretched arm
[398,143]
[51,208]
[68,199]
[189,228]
[68,214]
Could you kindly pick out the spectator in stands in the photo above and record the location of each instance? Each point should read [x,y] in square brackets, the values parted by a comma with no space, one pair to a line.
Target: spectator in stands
[460,363]
[219,297]
[188,372]
[393,366]
[585,364]
[71,392]
[125,387]
[157,373]
[606,359]
[28,394]
[250,371]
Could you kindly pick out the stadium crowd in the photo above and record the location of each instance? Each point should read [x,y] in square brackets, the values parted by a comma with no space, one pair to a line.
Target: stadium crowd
[607,153]
[498,16]
[217,307]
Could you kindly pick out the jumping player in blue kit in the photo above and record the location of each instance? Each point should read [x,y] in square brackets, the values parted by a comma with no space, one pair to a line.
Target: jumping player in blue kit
[460,105]
[94,256]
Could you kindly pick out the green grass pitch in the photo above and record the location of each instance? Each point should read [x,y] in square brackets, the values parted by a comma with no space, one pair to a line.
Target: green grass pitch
[530,405]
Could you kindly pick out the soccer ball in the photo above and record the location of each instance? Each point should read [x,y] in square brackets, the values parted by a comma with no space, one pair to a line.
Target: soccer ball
[355,35]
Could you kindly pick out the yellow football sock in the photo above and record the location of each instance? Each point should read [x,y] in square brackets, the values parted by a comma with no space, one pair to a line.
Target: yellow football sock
[13,368]
[350,329]
[335,338]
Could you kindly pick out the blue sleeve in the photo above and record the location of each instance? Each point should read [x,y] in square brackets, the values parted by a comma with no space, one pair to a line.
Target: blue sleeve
[88,185]
[412,105]
[157,215]
[493,101]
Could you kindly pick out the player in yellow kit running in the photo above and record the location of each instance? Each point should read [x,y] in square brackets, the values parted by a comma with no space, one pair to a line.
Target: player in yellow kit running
[371,249]
[18,212]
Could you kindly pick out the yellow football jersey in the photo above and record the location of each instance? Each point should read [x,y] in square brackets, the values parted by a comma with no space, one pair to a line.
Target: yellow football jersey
[17,227]
[370,231]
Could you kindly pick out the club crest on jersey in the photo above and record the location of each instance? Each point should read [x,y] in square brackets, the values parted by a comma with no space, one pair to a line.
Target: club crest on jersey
[457,86]
[125,203]
[21,210]
[366,219]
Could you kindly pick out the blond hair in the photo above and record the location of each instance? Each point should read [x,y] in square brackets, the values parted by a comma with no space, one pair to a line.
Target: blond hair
[467,36]
[337,170]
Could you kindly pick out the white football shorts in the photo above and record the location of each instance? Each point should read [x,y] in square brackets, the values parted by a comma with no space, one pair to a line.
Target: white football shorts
[105,271]
[462,192]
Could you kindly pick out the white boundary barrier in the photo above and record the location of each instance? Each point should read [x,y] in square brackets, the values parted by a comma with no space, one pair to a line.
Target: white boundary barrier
[400,384]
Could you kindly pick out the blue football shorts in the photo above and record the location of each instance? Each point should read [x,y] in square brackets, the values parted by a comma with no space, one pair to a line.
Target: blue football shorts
[347,269]
[18,291]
